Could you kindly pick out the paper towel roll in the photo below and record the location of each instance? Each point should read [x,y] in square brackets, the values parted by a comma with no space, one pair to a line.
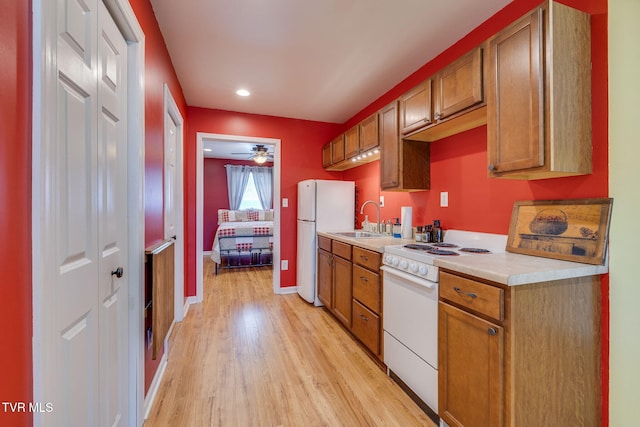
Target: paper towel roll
[407,222]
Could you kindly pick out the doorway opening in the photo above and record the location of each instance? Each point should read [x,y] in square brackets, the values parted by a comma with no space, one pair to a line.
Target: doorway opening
[203,138]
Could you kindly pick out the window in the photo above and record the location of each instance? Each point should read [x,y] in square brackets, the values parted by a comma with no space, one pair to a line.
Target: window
[250,199]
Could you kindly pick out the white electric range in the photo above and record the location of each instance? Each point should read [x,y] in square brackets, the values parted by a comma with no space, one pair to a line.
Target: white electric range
[411,308]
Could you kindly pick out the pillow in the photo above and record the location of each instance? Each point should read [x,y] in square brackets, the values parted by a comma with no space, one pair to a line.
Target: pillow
[226,215]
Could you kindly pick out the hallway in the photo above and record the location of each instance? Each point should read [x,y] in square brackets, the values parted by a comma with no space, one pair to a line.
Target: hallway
[247,357]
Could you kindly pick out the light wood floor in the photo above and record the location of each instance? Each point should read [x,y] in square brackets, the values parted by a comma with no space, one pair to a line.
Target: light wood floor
[247,357]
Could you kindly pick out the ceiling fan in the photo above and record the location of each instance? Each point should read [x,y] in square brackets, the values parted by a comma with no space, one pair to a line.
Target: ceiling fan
[260,154]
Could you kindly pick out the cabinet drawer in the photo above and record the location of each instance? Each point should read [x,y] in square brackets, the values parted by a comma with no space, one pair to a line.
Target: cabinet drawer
[366,326]
[366,288]
[479,297]
[343,250]
[324,243]
[366,258]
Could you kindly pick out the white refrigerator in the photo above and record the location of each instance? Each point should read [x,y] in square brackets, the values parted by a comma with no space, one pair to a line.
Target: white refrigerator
[323,205]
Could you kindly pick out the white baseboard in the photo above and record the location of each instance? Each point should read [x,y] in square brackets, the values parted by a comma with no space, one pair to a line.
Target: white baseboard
[155,384]
[207,253]
[187,304]
[288,290]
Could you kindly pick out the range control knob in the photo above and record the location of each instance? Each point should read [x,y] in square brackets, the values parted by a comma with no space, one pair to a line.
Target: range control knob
[387,259]
[423,270]
[395,261]
[404,264]
[413,267]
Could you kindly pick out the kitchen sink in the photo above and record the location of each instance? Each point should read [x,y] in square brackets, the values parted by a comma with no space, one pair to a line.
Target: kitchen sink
[357,234]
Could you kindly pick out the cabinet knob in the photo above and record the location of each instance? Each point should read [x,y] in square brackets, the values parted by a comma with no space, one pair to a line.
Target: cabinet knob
[492,168]
[437,115]
[492,331]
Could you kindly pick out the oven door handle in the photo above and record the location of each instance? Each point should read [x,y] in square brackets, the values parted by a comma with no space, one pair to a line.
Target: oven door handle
[409,277]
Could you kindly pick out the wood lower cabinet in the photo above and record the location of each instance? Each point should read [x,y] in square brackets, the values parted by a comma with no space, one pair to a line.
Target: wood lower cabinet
[334,278]
[472,359]
[342,290]
[367,299]
[350,287]
[325,277]
[519,356]
[539,96]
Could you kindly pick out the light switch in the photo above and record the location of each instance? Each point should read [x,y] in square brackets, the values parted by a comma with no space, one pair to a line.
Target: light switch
[444,199]
[285,203]
[284,264]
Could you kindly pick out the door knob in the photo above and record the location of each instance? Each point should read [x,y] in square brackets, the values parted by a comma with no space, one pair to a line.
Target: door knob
[117,272]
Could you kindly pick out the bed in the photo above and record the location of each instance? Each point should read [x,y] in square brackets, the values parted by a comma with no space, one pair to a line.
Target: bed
[244,238]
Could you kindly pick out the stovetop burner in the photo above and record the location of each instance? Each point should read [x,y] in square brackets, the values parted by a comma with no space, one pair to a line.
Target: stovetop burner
[444,245]
[475,250]
[436,251]
[430,249]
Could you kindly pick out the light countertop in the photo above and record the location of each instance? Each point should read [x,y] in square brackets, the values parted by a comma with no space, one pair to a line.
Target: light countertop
[376,244]
[515,269]
[505,268]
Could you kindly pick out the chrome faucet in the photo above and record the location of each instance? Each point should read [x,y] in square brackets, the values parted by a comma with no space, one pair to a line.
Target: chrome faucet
[377,213]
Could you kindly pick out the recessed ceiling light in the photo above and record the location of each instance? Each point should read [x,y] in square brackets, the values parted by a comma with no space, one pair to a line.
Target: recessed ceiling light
[208,149]
[243,92]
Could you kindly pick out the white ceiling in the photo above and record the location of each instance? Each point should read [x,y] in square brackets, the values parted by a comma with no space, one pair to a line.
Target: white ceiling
[236,150]
[322,60]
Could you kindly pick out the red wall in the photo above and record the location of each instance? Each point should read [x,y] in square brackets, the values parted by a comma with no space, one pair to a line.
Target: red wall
[301,144]
[158,71]
[216,195]
[15,209]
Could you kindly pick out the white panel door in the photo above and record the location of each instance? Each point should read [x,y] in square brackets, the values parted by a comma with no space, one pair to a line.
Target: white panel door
[85,335]
[112,220]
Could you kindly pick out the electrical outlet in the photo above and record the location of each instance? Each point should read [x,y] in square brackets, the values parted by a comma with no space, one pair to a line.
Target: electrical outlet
[382,201]
[284,264]
[444,199]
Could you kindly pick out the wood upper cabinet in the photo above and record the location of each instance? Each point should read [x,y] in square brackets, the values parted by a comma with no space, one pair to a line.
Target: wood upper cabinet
[404,165]
[337,149]
[459,86]
[415,108]
[326,155]
[501,349]
[539,96]
[369,133]
[352,142]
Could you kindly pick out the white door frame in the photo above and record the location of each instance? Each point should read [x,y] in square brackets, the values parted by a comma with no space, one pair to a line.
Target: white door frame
[44,87]
[171,109]
[200,138]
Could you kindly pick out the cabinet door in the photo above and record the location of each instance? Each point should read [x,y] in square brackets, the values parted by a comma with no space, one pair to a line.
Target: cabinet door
[326,155]
[337,149]
[389,147]
[342,290]
[369,133]
[415,108]
[515,97]
[459,85]
[351,142]
[470,369]
[325,278]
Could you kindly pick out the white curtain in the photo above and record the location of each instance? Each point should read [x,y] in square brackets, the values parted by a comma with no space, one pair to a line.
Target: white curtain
[263,179]
[237,179]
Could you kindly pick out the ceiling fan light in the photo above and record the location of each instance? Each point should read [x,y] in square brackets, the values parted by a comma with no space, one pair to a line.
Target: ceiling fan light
[259,159]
